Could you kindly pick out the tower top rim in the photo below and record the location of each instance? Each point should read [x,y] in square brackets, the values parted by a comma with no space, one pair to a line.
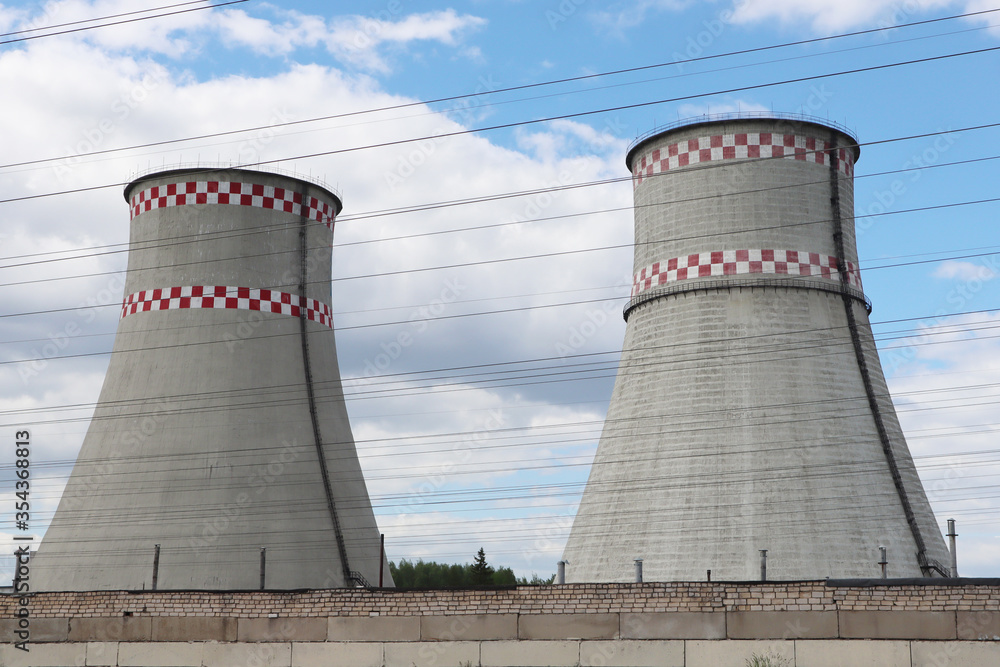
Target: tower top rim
[257,170]
[763,116]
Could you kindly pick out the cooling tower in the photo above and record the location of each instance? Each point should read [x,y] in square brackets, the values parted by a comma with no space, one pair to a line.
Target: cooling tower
[221,429]
[750,410]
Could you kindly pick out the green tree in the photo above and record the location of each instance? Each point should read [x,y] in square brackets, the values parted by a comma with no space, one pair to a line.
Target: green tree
[482,572]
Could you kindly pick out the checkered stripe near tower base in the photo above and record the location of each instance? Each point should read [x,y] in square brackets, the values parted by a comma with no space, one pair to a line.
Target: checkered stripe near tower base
[745,145]
[232,193]
[239,298]
[741,262]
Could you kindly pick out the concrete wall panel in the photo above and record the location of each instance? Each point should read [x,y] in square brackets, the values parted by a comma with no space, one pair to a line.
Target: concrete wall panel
[431,654]
[337,654]
[469,627]
[374,628]
[673,625]
[898,624]
[161,654]
[530,654]
[567,626]
[856,653]
[632,653]
[281,629]
[781,624]
[735,653]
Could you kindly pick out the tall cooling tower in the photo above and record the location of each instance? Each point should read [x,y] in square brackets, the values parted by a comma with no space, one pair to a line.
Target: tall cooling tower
[221,428]
[750,410]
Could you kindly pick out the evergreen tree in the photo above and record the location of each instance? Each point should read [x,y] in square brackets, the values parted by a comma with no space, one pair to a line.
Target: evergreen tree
[482,572]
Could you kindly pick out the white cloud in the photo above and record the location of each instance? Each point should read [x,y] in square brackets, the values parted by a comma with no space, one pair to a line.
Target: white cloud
[356,40]
[622,16]
[361,41]
[955,269]
[709,108]
[829,17]
[236,27]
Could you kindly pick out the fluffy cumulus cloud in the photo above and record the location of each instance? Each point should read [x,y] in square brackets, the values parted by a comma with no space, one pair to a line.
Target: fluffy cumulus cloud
[362,41]
[827,17]
[823,16]
[359,41]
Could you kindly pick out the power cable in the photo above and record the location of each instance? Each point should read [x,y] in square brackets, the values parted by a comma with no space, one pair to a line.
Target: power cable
[113,23]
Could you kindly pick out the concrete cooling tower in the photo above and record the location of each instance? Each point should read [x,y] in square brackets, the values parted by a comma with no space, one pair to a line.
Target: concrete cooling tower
[750,410]
[220,446]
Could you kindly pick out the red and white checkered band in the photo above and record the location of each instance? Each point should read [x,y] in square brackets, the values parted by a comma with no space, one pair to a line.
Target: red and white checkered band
[742,262]
[739,146]
[233,193]
[240,298]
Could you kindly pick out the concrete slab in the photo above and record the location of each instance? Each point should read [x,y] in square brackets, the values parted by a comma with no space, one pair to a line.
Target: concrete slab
[41,629]
[258,654]
[632,653]
[337,654]
[736,652]
[567,626]
[160,654]
[529,654]
[955,654]
[193,628]
[113,628]
[898,624]
[374,628]
[43,655]
[674,625]
[781,625]
[281,629]
[469,627]
[979,625]
[431,654]
[853,652]
[102,654]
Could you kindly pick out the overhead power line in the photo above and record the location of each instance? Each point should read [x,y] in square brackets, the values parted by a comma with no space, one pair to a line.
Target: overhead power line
[112,23]
[498,91]
[579,114]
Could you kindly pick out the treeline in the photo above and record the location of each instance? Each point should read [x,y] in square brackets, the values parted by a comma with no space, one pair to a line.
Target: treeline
[470,575]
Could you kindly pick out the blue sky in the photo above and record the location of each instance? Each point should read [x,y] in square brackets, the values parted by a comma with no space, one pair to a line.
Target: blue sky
[257,64]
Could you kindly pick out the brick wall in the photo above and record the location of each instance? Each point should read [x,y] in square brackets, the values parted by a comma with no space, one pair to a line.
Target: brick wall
[568,599]
[806,624]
